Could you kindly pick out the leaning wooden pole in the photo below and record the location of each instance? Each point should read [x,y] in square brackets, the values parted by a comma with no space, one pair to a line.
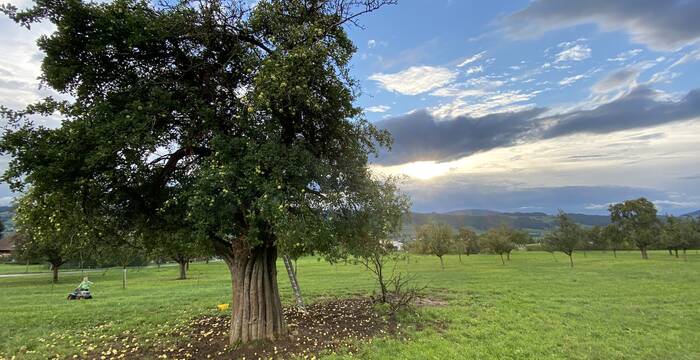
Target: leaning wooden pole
[293,280]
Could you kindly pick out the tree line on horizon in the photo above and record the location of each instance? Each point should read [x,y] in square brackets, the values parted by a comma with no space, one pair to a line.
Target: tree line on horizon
[634,224]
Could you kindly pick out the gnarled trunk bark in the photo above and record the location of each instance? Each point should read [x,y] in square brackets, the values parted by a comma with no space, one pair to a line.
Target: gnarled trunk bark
[256,309]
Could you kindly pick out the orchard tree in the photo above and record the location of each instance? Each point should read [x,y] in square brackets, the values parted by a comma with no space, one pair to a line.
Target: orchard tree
[176,239]
[466,242]
[240,120]
[52,228]
[498,240]
[671,238]
[385,214]
[614,237]
[689,234]
[519,238]
[566,237]
[435,239]
[182,247]
[638,222]
[597,239]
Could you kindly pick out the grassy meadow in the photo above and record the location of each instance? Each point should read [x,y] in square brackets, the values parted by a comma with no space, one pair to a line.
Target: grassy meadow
[534,307]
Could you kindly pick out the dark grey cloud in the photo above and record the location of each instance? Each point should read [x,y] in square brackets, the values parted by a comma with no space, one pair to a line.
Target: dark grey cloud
[618,79]
[419,136]
[638,109]
[660,24]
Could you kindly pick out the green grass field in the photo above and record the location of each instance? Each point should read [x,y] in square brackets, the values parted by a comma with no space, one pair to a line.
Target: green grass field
[12,269]
[532,308]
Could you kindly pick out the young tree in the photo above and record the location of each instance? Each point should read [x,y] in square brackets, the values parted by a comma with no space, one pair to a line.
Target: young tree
[566,237]
[498,241]
[466,242]
[638,222]
[244,115]
[386,212]
[435,239]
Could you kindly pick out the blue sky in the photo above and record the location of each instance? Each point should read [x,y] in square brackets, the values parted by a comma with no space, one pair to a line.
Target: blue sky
[511,105]
[536,105]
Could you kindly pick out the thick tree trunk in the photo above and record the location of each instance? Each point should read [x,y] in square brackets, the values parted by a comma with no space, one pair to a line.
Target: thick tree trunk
[644,253]
[571,259]
[460,257]
[676,250]
[183,270]
[615,253]
[54,269]
[442,263]
[257,309]
[124,278]
[670,252]
[508,256]
[502,262]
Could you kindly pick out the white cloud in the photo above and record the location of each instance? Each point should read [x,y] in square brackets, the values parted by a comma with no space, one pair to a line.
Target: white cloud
[471,59]
[371,43]
[663,204]
[475,70]
[624,56]
[378,108]
[415,80]
[598,206]
[577,52]
[571,79]
[489,103]
[687,58]
[458,93]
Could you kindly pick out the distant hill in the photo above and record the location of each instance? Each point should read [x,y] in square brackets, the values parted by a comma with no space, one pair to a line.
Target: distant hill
[693,214]
[6,213]
[535,223]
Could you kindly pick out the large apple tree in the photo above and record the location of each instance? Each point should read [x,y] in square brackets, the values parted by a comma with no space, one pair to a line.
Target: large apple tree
[239,120]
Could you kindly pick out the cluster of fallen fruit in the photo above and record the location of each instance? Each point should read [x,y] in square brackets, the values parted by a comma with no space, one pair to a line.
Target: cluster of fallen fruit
[325,326]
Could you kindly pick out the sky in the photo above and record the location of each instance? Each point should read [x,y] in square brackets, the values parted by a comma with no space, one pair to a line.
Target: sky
[509,105]
[536,105]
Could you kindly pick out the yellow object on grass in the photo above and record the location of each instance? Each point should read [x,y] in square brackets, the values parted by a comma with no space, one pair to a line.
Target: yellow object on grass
[222,307]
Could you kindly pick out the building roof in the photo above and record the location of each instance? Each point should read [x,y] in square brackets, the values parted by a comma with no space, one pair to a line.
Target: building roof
[7,243]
